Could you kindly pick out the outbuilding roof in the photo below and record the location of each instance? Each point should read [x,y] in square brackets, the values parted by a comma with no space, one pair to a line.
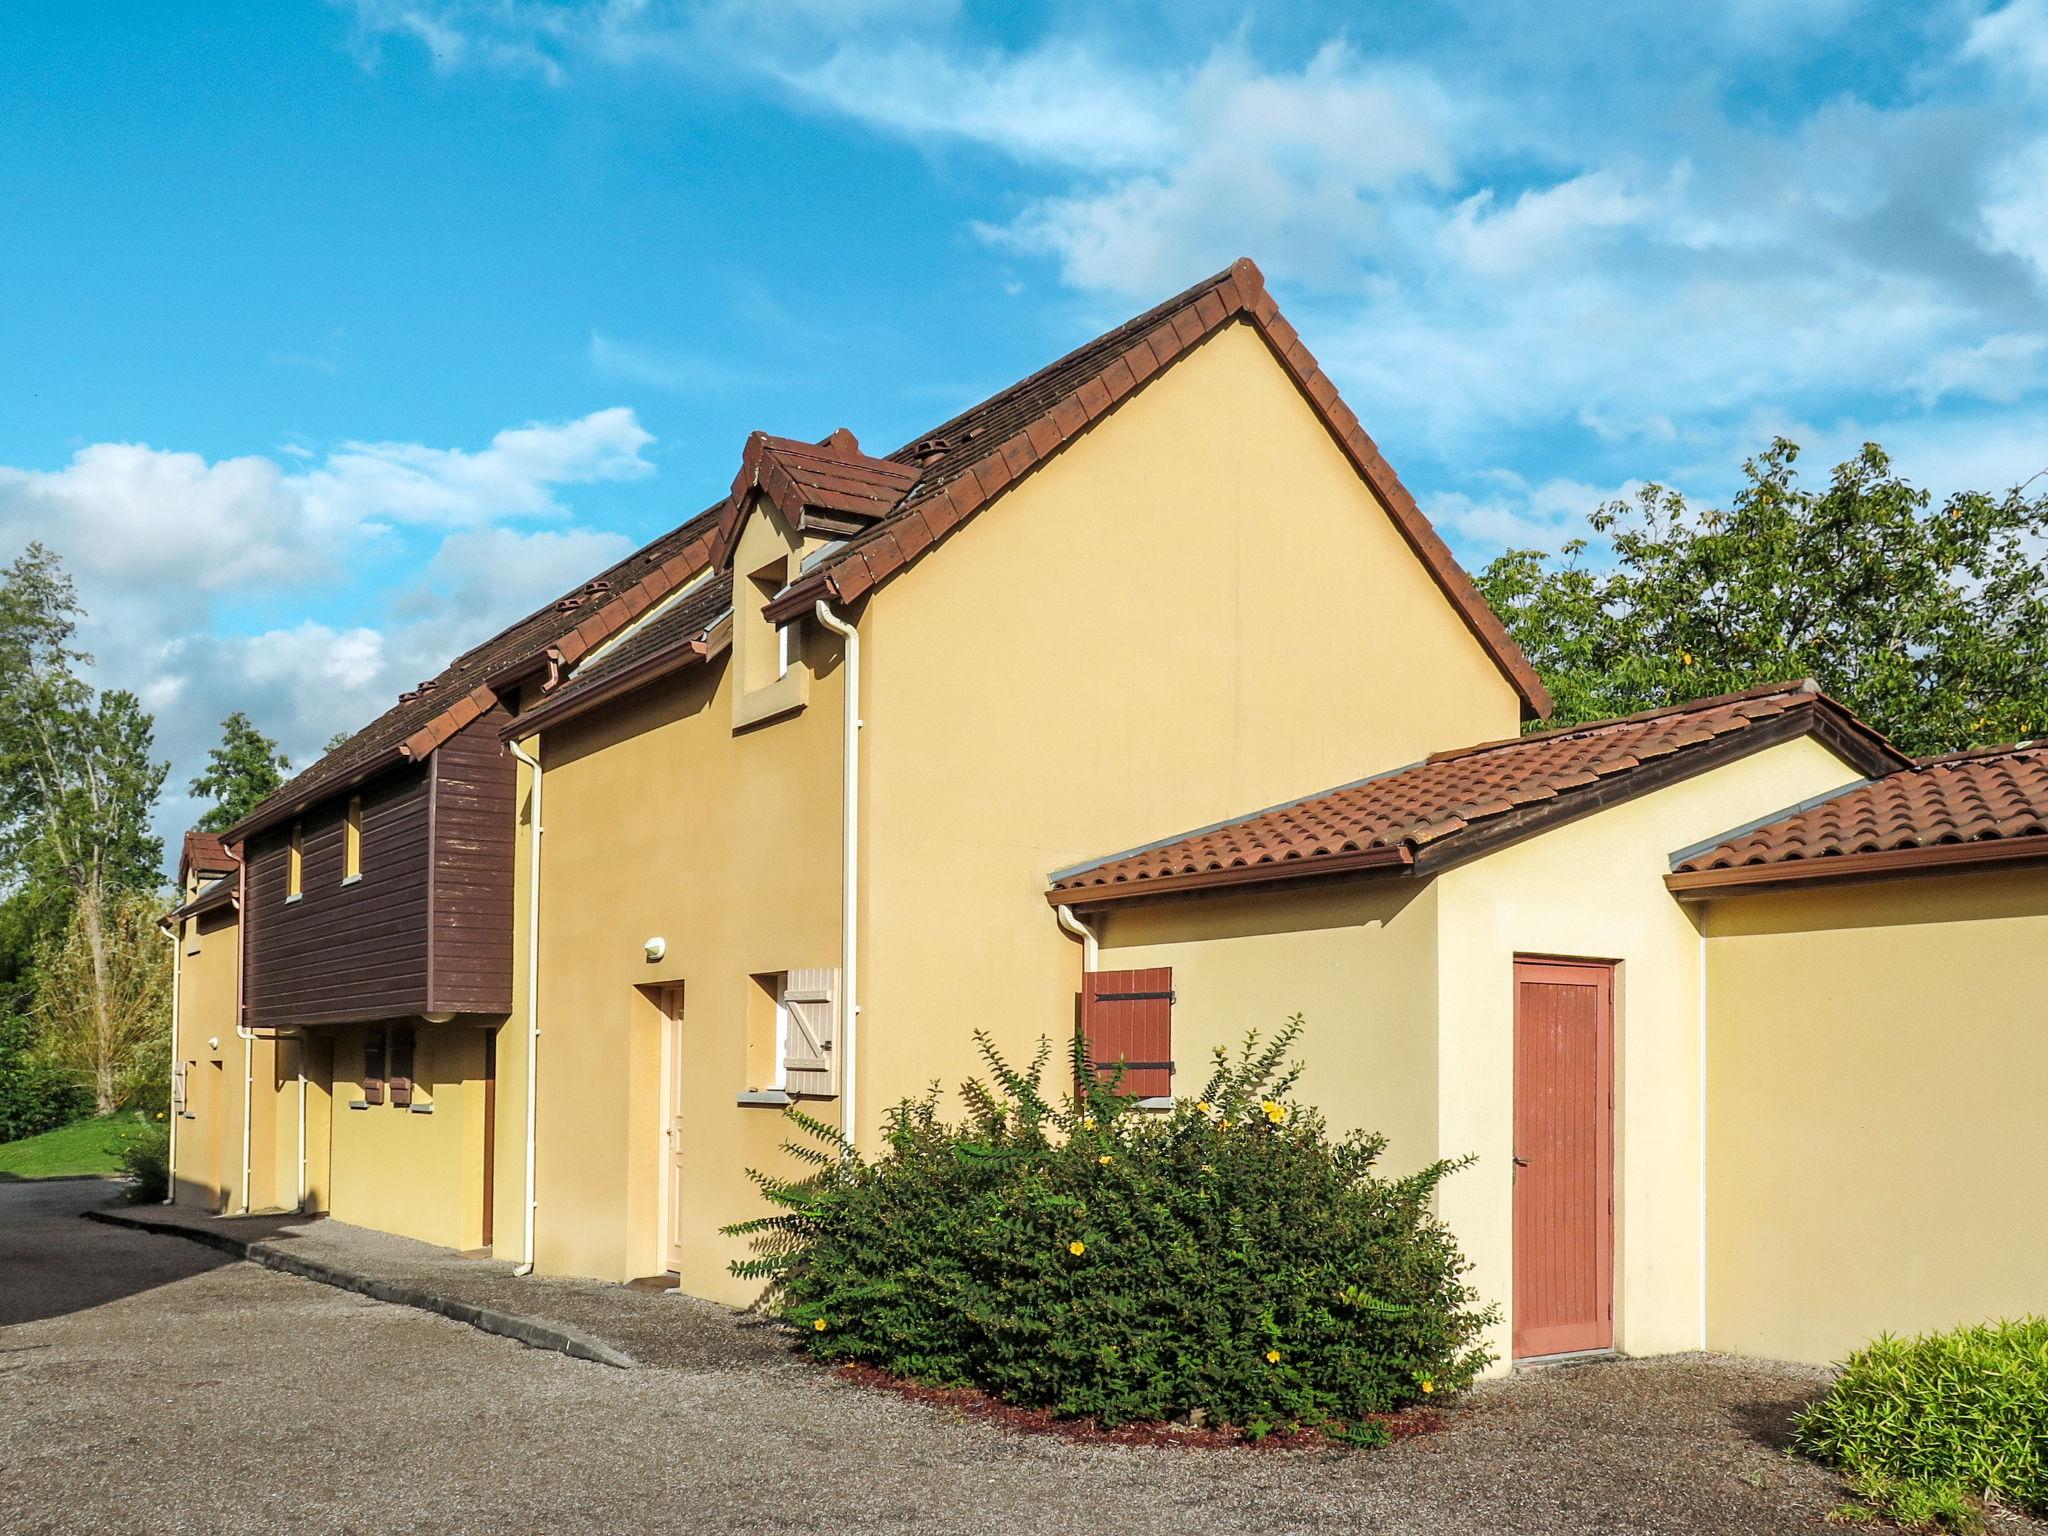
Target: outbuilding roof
[1969,809]
[1456,806]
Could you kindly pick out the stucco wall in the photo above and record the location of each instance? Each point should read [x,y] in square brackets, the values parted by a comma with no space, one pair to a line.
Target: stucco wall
[1357,961]
[1195,611]
[1594,890]
[208,1157]
[1877,1071]
[662,820]
[416,1174]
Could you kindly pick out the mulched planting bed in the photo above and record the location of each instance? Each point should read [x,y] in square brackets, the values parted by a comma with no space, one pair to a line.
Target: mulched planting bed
[973,1403]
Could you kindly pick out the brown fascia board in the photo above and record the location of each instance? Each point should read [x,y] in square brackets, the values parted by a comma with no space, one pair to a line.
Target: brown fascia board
[1240,294]
[670,658]
[1851,868]
[1397,859]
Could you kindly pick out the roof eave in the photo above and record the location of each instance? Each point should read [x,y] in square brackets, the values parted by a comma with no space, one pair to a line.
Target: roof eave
[668,660]
[1852,868]
[1398,859]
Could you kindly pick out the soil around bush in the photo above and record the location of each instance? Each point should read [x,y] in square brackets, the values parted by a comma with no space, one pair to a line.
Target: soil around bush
[974,1404]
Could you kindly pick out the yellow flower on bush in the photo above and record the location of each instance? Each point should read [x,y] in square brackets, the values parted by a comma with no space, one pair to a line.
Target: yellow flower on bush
[1274,1112]
[1428,1386]
[1272,1357]
[1077,1247]
[1206,1107]
[1105,1160]
[819,1324]
[1089,1123]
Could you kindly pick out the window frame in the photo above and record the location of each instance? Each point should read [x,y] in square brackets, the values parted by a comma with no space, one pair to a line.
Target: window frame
[352,842]
[295,863]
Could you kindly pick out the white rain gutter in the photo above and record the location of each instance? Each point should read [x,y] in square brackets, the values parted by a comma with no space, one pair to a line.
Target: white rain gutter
[1090,947]
[532,996]
[849,876]
[176,934]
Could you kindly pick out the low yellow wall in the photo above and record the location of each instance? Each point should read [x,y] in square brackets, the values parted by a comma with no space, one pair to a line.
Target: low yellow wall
[1357,961]
[1878,1142]
[1595,890]
[399,1170]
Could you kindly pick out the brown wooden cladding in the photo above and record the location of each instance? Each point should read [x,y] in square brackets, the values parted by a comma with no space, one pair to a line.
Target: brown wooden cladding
[469,941]
[428,927]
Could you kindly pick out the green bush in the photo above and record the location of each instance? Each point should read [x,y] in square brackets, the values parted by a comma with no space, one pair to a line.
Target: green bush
[146,1160]
[34,1096]
[1227,1258]
[1921,1426]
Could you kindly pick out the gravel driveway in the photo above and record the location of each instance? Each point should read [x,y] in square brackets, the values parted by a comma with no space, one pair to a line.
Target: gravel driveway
[149,1384]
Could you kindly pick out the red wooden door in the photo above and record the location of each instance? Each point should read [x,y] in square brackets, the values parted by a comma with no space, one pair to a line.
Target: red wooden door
[1564,1157]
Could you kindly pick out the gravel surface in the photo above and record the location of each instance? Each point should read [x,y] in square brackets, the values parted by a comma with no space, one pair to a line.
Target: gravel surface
[153,1385]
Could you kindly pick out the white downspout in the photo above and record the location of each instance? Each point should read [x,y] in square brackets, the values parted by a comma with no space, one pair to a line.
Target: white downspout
[248,1102]
[301,1206]
[176,934]
[1090,947]
[849,877]
[1703,1125]
[532,995]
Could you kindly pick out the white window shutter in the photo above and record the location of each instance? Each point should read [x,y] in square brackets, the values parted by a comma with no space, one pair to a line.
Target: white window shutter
[177,1087]
[812,1064]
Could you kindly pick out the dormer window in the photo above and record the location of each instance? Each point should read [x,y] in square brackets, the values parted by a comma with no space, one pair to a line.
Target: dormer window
[769,676]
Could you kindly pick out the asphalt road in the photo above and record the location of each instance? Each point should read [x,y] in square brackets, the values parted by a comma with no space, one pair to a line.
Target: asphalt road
[150,1384]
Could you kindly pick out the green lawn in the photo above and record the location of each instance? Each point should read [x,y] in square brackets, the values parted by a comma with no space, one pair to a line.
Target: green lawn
[86,1146]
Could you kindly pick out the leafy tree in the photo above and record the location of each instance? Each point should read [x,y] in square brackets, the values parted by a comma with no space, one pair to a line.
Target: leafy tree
[240,773]
[103,998]
[1929,621]
[77,788]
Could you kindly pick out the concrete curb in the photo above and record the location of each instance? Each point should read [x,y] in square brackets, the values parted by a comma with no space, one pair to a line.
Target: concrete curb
[534,1332]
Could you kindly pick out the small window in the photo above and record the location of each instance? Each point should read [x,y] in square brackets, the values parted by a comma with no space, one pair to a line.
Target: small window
[785,647]
[352,842]
[295,866]
[768,1033]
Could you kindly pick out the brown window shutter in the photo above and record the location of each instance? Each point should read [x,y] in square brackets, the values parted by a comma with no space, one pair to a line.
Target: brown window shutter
[1127,1017]
[401,1068]
[373,1067]
[811,1062]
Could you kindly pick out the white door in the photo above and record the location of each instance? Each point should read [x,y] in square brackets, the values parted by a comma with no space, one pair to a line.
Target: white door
[672,1124]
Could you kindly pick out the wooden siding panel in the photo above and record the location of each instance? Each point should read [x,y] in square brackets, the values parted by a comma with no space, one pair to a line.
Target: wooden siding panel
[351,950]
[428,927]
[475,835]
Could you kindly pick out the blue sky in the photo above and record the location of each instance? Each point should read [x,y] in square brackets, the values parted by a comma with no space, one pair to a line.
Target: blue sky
[334,335]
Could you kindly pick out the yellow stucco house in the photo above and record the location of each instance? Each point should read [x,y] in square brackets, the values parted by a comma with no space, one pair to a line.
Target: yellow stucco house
[879,751]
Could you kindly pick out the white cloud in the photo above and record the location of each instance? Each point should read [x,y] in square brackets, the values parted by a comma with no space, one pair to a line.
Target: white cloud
[2012,39]
[516,474]
[169,550]
[1513,514]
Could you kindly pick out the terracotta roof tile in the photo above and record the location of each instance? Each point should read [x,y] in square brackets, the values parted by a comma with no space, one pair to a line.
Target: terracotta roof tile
[911,499]
[205,853]
[596,605]
[1419,813]
[1031,421]
[1966,801]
